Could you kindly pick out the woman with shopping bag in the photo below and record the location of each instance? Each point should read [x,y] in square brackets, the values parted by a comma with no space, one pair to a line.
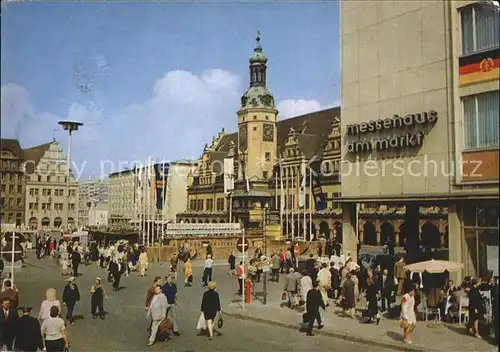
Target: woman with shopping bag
[210,307]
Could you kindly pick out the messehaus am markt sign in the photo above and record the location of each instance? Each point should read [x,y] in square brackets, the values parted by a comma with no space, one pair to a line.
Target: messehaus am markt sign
[402,127]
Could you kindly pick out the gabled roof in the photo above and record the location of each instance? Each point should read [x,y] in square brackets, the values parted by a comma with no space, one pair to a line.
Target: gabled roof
[312,130]
[13,146]
[33,155]
[226,141]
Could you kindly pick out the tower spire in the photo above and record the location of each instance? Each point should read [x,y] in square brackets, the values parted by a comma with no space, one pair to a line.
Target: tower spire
[257,65]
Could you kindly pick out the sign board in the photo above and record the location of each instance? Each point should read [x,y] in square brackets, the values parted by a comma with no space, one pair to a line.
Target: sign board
[211,229]
[228,175]
[242,246]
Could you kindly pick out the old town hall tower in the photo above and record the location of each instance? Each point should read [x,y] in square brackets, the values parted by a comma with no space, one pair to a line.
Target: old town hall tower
[257,132]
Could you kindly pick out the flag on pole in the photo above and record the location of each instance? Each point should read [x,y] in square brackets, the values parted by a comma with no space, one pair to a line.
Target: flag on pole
[282,194]
[302,189]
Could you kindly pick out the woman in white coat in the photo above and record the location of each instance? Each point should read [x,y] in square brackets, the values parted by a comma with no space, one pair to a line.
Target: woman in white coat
[305,285]
[49,302]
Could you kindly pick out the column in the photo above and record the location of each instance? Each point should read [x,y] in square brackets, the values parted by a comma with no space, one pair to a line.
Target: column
[396,238]
[378,237]
[412,232]
[455,235]
[349,238]
[361,235]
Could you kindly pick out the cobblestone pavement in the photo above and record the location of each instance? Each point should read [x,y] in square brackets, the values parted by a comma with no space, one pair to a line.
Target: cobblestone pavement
[125,326]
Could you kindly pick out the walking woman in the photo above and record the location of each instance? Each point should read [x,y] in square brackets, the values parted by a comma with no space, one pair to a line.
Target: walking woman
[210,306]
[55,337]
[71,295]
[408,317]
[97,299]
[188,273]
[47,304]
[371,297]
[143,262]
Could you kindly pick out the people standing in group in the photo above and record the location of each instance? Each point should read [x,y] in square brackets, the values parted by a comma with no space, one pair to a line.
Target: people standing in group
[210,307]
[98,295]
[71,296]
[207,270]
[143,262]
[408,316]
[232,264]
[8,324]
[55,337]
[188,273]
[156,311]
[28,332]
[169,289]
[314,302]
[49,302]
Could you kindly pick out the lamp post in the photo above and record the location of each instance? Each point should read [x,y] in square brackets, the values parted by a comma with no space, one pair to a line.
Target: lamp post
[69,126]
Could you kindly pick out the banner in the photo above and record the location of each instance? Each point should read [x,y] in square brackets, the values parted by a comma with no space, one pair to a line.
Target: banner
[302,189]
[319,196]
[161,174]
[228,175]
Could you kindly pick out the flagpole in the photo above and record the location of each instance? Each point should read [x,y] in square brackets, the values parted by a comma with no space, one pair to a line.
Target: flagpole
[293,201]
[304,178]
[282,196]
[286,202]
[276,191]
[164,195]
[141,204]
[310,205]
[148,180]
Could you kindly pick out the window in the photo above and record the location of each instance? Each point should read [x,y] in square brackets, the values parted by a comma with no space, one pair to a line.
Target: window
[481,120]
[265,174]
[48,192]
[480,28]
[2,201]
[268,156]
[3,188]
[39,178]
[19,202]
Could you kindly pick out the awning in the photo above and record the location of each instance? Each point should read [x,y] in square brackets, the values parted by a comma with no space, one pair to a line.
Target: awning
[420,198]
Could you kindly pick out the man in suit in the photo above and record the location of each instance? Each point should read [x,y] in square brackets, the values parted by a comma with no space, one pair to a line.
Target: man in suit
[11,294]
[386,284]
[28,333]
[8,321]
[313,303]
[157,311]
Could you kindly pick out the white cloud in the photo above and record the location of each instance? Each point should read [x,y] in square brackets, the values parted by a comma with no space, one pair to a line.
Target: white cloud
[291,108]
[183,114]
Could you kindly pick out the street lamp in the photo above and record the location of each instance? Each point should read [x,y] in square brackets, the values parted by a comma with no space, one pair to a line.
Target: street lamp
[69,126]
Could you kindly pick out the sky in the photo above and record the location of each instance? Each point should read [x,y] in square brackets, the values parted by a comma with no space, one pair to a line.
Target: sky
[155,79]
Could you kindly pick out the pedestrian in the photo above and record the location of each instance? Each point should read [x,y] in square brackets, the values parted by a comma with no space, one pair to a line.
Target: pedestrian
[306,284]
[240,273]
[232,263]
[207,270]
[400,274]
[55,338]
[170,291]
[292,287]
[325,282]
[98,295]
[313,302]
[76,259]
[275,260]
[11,293]
[408,318]
[386,285]
[49,302]
[210,307]
[71,296]
[143,262]
[8,324]
[115,271]
[28,332]
[210,251]
[188,273]
[64,263]
[157,310]
[349,299]
[371,297]
[475,307]
[173,265]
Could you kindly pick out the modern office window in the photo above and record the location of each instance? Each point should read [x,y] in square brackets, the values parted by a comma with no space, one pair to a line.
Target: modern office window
[480,28]
[481,120]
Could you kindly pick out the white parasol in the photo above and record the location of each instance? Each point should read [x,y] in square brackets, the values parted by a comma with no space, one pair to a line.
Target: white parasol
[434,267]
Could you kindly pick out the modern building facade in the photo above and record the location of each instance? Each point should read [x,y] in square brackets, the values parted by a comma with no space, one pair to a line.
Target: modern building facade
[420,109]
[122,187]
[98,214]
[91,193]
[46,176]
[12,183]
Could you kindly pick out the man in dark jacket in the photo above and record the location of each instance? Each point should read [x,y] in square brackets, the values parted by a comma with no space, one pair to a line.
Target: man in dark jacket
[313,303]
[28,333]
[386,284]
[76,259]
[71,295]
[8,322]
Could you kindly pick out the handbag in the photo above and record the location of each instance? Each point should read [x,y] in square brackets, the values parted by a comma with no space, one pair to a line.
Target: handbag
[305,318]
[220,323]
[190,278]
[284,296]
[202,324]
